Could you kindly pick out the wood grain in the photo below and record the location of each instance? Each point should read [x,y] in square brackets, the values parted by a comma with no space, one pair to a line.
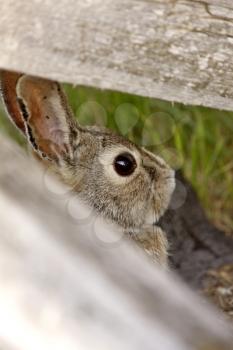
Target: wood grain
[177,50]
[61,287]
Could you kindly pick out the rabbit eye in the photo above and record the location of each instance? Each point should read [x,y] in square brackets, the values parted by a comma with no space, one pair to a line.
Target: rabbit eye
[125,164]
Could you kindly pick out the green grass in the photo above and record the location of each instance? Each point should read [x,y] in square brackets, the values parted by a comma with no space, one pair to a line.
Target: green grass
[197,140]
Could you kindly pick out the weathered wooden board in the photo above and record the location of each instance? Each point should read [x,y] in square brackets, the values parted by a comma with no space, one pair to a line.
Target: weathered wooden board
[178,50]
[60,288]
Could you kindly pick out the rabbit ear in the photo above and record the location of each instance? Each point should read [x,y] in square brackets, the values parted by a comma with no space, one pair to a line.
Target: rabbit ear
[49,123]
[8,81]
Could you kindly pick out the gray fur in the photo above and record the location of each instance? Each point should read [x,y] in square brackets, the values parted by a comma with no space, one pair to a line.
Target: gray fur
[84,161]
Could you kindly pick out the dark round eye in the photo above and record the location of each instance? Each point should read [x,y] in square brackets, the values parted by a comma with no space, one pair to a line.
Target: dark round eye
[125,164]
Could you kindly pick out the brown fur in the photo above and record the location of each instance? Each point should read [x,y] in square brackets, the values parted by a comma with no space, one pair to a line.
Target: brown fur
[83,158]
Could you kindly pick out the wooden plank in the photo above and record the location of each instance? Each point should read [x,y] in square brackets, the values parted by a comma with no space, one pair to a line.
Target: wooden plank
[177,50]
[61,288]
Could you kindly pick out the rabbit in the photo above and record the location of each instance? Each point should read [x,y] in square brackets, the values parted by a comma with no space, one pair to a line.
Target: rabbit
[123,182]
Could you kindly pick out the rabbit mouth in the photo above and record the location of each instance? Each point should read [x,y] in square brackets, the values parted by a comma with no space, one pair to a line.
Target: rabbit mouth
[159,222]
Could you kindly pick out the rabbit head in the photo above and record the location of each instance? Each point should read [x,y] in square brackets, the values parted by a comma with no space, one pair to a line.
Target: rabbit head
[124,182]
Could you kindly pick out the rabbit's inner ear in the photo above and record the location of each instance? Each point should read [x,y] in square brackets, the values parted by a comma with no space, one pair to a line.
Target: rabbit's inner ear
[50,125]
[8,81]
